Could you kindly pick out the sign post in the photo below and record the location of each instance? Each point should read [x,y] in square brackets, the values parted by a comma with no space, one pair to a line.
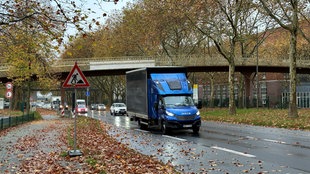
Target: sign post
[87,95]
[195,93]
[9,94]
[75,79]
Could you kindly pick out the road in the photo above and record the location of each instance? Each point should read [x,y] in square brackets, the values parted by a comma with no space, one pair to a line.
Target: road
[219,147]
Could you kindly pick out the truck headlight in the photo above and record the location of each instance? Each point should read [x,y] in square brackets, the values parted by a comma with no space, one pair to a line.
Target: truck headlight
[197,113]
[170,113]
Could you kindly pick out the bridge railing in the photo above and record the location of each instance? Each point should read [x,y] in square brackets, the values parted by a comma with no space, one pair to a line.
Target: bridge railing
[164,60]
[192,60]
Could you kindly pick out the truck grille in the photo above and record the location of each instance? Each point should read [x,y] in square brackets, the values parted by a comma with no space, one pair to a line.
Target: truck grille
[189,117]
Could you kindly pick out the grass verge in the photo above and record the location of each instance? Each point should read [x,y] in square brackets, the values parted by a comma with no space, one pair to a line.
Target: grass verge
[259,117]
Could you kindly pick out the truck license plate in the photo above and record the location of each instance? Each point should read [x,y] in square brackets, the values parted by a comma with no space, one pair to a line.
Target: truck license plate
[187,125]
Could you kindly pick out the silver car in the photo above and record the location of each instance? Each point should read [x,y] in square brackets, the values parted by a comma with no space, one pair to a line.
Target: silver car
[118,108]
[101,107]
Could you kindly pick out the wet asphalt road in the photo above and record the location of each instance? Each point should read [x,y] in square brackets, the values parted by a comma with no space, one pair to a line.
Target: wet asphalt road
[219,147]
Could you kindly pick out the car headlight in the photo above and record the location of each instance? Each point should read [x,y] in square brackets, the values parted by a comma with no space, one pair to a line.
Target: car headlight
[170,113]
[197,113]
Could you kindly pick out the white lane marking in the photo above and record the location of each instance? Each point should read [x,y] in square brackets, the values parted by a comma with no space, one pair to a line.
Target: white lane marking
[269,140]
[142,130]
[251,138]
[175,138]
[274,141]
[233,151]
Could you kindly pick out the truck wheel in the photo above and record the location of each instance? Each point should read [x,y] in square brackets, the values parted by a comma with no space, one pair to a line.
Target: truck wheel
[142,126]
[196,129]
[164,129]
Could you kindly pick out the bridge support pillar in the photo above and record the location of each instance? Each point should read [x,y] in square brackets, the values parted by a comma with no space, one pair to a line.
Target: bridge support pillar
[247,87]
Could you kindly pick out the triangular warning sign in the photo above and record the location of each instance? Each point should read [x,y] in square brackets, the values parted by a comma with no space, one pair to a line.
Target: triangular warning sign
[76,78]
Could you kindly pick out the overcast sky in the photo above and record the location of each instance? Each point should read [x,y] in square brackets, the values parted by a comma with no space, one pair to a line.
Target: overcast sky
[99,7]
[105,7]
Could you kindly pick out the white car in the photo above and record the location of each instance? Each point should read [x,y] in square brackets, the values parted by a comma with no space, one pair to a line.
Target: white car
[118,108]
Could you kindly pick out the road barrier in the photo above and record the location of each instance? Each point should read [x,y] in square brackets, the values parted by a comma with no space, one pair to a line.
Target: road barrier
[63,112]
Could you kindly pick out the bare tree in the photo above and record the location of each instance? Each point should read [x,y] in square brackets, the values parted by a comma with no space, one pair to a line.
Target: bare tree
[230,25]
[286,13]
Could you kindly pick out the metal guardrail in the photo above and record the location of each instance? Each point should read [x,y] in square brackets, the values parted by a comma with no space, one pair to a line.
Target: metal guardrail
[6,122]
[192,60]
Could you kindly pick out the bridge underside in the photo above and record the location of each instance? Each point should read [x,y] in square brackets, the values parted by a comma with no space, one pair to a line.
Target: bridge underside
[242,69]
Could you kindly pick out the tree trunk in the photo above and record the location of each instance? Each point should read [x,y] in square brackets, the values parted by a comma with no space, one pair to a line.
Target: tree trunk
[18,98]
[212,91]
[293,53]
[292,56]
[28,97]
[232,107]
[241,92]
[111,91]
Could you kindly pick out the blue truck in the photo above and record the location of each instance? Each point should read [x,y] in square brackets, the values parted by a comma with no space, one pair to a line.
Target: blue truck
[161,97]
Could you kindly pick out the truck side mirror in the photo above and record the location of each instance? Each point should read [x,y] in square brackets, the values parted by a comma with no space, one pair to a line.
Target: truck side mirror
[161,106]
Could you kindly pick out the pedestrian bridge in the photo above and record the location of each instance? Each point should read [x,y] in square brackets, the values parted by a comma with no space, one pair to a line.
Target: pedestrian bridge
[98,66]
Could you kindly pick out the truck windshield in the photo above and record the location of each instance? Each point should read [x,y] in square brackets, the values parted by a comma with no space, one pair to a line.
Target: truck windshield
[171,101]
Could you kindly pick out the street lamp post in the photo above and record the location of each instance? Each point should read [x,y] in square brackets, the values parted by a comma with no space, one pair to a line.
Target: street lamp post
[257,82]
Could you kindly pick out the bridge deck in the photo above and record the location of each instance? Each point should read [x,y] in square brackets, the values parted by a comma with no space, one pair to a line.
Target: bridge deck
[194,64]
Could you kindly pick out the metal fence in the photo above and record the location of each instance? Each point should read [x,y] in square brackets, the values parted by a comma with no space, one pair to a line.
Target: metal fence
[6,122]
[303,99]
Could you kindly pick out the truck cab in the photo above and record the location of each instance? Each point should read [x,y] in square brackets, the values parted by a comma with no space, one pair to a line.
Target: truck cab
[178,112]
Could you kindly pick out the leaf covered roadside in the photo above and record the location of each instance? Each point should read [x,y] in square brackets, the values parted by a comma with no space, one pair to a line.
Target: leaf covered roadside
[45,150]
[105,155]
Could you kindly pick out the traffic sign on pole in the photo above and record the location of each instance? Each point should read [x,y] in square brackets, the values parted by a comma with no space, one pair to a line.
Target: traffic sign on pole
[76,78]
[9,86]
[9,90]
[8,94]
